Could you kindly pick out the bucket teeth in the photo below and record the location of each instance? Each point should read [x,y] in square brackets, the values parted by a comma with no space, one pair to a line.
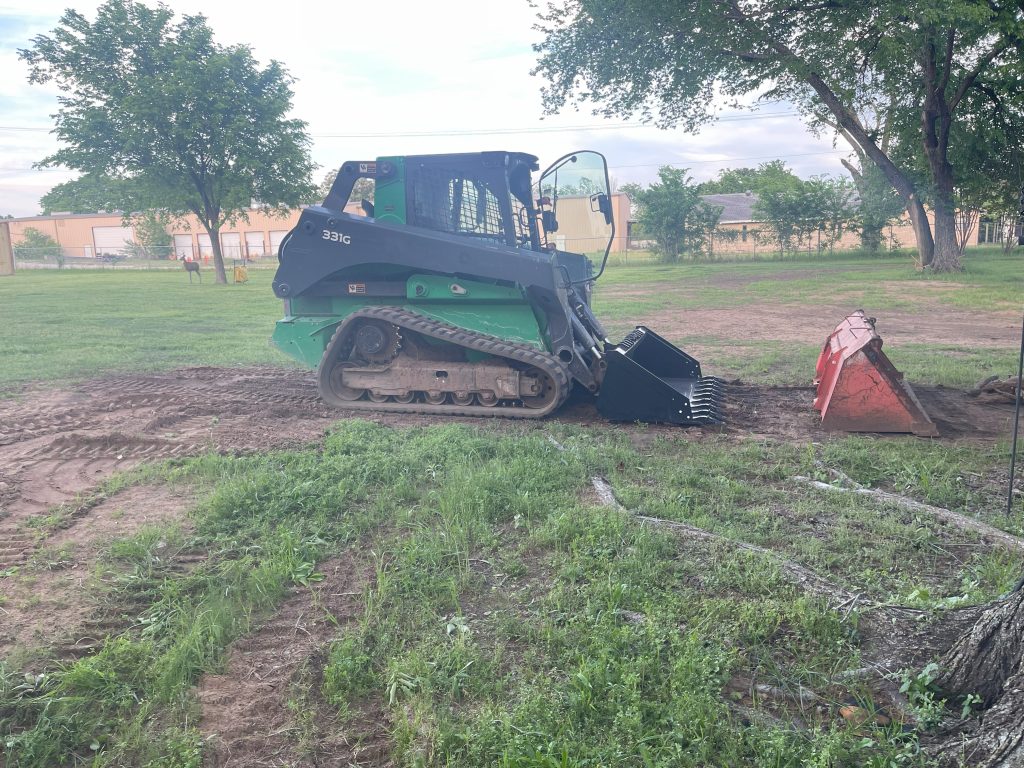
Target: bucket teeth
[706,401]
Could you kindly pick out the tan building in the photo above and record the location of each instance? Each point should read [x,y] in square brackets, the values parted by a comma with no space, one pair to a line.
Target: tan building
[581,230]
[95,235]
[105,235]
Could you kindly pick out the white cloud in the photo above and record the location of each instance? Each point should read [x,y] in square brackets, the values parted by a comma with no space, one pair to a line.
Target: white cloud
[366,68]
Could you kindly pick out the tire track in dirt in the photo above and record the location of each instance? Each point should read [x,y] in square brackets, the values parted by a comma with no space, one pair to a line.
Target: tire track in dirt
[245,710]
[50,602]
[56,445]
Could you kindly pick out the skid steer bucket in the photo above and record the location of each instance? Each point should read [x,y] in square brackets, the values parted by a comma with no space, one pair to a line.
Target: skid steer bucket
[648,379]
[859,389]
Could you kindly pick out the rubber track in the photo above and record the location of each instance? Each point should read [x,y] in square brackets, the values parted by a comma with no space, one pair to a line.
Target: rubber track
[491,345]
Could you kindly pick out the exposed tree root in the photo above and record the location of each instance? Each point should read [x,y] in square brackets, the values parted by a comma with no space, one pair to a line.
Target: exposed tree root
[955,518]
[808,579]
[981,648]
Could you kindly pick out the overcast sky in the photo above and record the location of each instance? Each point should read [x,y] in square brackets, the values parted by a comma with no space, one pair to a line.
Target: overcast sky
[402,78]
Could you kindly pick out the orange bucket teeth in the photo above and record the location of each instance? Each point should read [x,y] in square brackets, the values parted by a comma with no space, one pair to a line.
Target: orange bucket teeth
[859,389]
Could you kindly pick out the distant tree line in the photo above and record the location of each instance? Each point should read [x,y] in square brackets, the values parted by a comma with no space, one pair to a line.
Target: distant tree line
[792,214]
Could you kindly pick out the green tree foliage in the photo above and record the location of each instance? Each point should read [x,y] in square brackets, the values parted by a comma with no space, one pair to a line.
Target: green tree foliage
[808,214]
[152,240]
[988,156]
[189,125]
[36,246]
[666,61]
[672,213]
[88,193]
[771,175]
[363,189]
[878,207]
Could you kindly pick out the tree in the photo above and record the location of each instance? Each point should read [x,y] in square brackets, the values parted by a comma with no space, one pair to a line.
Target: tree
[774,175]
[363,189]
[834,59]
[39,245]
[672,213]
[152,240]
[788,214]
[989,157]
[190,126]
[836,210]
[879,205]
[88,194]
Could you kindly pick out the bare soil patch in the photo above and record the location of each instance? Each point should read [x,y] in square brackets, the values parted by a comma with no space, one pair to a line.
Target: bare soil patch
[787,414]
[246,715]
[58,444]
[48,594]
[811,324]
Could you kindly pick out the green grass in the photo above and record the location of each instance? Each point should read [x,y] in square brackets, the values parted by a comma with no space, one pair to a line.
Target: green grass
[68,325]
[513,622]
[64,326]
[990,281]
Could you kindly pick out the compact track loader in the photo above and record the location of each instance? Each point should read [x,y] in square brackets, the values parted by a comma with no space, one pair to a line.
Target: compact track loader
[455,294]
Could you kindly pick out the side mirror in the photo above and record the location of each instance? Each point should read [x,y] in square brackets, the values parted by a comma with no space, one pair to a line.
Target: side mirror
[548,220]
[604,205]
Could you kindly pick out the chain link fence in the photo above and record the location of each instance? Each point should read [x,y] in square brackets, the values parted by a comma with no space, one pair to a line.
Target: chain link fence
[137,257]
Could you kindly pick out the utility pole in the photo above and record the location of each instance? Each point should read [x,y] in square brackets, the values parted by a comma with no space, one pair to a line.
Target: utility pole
[6,250]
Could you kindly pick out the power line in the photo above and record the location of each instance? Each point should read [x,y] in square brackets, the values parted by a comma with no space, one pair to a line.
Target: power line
[610,167]
[486,131]
[539,129]
[732,159]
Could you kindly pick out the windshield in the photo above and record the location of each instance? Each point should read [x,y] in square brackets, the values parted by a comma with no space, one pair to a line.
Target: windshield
[575,205]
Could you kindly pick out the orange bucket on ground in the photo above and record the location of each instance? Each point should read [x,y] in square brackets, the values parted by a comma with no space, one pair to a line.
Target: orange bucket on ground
[859,389]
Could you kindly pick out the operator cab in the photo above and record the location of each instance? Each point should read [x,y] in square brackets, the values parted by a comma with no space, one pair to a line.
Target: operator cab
[491,197]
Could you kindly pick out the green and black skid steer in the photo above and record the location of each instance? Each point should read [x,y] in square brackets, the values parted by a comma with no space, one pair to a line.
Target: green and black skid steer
[453,294]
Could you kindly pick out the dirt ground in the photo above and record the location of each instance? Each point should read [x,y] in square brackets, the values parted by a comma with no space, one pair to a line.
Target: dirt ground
[56,446]
[246,716]
[811,324]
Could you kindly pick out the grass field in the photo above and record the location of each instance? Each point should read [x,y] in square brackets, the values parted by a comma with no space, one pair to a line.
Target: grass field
[453,594]
[65,326]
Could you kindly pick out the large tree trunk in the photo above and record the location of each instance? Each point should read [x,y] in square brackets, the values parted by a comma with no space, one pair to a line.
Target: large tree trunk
[218,257]
[922,230]
[947,250]
[986,661]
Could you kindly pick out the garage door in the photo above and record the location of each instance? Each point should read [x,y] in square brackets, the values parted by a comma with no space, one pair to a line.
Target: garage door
[254,247]
[111,239]
[205,246]
[275,240]
[231,245]
[183,246]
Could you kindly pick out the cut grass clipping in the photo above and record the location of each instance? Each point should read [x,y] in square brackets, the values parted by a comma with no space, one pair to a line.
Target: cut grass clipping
[511,621]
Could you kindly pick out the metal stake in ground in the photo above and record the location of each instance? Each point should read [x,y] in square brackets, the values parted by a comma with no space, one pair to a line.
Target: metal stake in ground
[1016,423]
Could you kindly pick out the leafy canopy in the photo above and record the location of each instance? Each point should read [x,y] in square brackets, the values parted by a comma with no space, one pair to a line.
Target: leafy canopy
[162,116]
[672,213]
[771,175]
[836,59]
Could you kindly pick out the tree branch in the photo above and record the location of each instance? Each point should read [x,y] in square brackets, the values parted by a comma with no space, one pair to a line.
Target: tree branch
[971,76]
[947,62]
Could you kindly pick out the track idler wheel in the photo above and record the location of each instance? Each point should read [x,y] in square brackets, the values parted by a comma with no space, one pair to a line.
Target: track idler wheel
[337,393]
[546,390]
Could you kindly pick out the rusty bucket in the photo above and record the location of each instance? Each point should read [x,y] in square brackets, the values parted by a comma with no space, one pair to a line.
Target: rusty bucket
[859,389]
